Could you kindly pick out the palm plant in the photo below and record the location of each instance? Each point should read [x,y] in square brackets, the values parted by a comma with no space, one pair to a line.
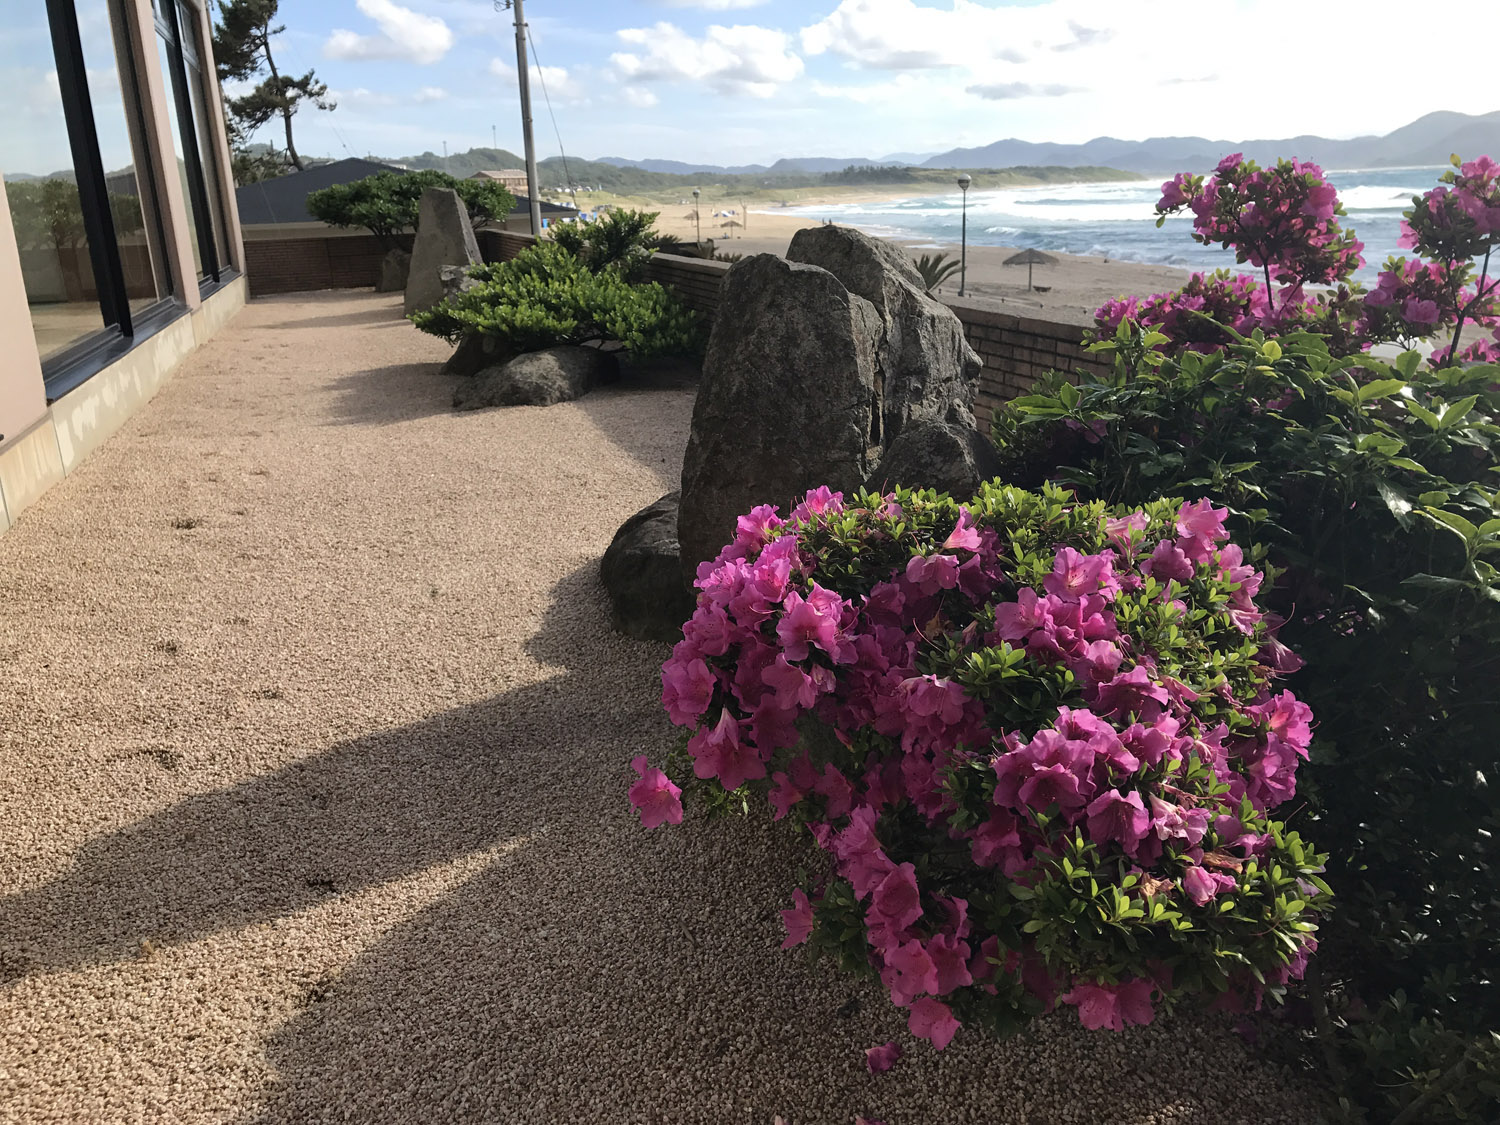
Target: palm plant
[935,269]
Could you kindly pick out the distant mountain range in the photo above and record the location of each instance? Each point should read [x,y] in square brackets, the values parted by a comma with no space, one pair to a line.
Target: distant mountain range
[1426,141]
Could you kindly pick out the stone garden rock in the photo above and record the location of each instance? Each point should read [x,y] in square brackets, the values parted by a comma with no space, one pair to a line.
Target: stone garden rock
[788,399]
[929,453]
[926,367]
[648,596]
[394,270]
[444,238]
[537,379]
[455,280]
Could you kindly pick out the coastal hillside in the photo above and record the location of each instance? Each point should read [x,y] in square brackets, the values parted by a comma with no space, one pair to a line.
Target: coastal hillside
[1427,141]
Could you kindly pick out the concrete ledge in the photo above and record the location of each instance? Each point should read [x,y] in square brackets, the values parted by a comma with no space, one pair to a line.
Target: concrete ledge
[82,420]
[30,465]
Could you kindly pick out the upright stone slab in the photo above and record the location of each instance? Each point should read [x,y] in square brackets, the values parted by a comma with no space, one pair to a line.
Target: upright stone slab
[788,399]
[444,238]
[925,365]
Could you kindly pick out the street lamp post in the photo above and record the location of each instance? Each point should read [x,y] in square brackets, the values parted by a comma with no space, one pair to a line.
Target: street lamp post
[697,217]
[963,245]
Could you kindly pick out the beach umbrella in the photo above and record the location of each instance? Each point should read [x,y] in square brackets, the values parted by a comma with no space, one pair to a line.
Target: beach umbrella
[1030,258]
[732,223]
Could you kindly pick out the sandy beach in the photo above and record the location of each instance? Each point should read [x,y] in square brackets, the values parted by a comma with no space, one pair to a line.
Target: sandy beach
[1076,284]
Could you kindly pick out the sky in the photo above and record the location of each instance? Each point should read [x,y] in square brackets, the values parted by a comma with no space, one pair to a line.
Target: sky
[748,81]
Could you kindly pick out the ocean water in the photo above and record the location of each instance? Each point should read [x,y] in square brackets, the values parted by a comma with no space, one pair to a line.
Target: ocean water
[1118,220]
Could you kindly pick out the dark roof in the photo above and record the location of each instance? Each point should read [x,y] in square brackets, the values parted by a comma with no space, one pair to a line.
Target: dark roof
[284,199]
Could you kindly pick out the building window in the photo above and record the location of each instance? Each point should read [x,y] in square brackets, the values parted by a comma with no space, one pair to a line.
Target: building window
[81,199]
[177,41]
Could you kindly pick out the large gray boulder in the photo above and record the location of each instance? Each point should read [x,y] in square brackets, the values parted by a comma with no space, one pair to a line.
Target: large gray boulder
[444,238]
[926,366]
[950,457]
[538,379]
[395,268]
[649,597]
[788,400]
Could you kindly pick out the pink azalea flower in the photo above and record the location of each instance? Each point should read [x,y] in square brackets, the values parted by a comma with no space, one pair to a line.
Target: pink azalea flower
[687,687]
[933,1020]
[896,904]
[1168,563]
[1202,885]
[793,686]
[1200,526]
[950,959]
[909,972]
[1015,620]
[784,795]
[931,573]
[1173,822]
[1116,816]
[813,620]
[997,843]
[881,1059]
[963,536]
[834,787]
[798,920]
[720,752]
[659,801]
[1123,530]
[1112,1006]
[1074,575]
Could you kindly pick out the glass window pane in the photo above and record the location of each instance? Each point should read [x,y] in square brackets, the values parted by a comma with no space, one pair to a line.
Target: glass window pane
[169,77]
[207,161]
[41,187]
[122,148]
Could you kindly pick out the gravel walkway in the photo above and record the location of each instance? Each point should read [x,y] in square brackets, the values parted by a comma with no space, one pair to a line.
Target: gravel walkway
[313,763]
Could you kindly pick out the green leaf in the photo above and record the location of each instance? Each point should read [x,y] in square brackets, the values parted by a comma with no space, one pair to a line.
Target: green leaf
[1396,501]
[1381,388]
[1423,413]
[1454,412]
[1455,523]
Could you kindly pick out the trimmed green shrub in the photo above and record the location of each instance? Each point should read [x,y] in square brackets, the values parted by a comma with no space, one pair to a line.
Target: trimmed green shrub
[619,240]
[545,296]
[1370,490]
[386,203]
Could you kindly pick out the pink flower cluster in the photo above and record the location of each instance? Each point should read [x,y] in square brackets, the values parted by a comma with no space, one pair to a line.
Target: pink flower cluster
[770,648]
[1283,219]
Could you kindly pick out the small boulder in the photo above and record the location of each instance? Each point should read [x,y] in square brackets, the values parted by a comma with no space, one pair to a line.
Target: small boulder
[394,269]
[537,379]
[476,352]
[455,280]
[444,238]
[642,572]
[929,453]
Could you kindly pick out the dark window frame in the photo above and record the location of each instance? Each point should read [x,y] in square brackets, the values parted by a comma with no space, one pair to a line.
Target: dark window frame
[123,329]
[169,29]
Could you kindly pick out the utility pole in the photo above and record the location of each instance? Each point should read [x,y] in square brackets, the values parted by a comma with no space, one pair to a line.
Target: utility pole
[524,73]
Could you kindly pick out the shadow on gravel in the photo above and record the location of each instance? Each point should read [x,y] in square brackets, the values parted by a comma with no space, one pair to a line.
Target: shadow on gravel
[390,395]
[370,810]
[363,316]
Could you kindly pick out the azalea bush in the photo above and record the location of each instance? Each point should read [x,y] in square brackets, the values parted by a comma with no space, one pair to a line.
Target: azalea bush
[546,296]
[1284,221]
[1371,491]
[1042,744]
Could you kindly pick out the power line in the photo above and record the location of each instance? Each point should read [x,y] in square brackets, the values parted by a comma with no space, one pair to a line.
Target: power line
[555,130]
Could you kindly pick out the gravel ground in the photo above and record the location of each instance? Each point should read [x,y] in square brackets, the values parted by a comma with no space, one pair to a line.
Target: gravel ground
[314,756]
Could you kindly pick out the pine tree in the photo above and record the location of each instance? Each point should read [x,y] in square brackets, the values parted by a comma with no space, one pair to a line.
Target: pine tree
[242,50]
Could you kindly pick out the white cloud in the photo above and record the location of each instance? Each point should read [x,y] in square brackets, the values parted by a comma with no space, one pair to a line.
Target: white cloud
[638,97]
[430,94]
[733,60]
[359,96]
[403,34]
[561,85]
[898,35]
[1006,91]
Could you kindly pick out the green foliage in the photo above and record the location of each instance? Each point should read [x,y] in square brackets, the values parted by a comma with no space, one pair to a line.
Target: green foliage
[387,203]
[619,240]
[935,269]
[545,296]
[1372,487]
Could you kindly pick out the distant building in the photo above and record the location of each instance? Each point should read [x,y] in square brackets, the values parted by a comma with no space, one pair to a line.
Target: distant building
[283,199]
[512,180]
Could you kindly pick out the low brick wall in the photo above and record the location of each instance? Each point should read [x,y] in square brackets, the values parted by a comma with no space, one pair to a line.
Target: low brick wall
[1015,349]
[296,264]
